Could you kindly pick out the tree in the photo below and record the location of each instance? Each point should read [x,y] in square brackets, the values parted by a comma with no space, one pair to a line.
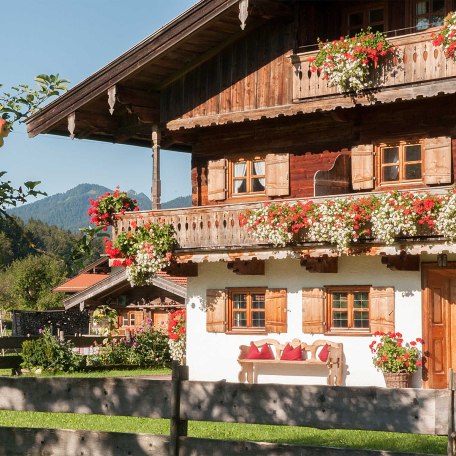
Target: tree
[27,283]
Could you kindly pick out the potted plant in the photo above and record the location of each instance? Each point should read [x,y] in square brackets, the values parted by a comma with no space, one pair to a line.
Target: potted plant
[446,37]
[396,358]
[350,61]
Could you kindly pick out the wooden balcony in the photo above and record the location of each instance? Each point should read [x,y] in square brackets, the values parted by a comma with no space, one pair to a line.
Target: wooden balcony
[418,69]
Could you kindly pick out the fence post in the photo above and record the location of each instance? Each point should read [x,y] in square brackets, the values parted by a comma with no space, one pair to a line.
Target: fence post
[451,430]
[178,427]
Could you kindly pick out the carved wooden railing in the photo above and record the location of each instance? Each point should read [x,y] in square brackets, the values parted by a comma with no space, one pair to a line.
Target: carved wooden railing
[198,227]
[416,60]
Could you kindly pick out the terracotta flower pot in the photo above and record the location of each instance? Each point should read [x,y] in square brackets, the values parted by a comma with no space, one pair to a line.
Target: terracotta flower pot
[397,380]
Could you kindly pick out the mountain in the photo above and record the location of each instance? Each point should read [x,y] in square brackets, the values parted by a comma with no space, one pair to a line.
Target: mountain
[69,210]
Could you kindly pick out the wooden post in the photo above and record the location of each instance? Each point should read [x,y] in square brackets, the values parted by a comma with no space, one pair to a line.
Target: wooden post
[156,183]
[178,428]
[451,430]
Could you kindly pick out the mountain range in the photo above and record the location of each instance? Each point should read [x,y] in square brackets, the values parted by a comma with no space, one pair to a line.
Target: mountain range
[69,210]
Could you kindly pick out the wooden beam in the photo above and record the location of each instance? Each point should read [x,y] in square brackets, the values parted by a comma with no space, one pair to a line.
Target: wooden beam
[252,267]
[182,269]
[402,262]
[156,183]
[323,264]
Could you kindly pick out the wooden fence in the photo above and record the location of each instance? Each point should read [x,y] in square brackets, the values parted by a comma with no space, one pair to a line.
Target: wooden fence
[414,411]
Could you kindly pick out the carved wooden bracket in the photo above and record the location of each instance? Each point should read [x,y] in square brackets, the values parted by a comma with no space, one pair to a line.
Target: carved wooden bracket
[182,269]
[243,12]
[72,124]
[402,262]
[252,267]
[323,264]
[111,99]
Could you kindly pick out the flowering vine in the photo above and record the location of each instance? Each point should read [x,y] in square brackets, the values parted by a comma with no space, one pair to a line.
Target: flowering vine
[392,354]
[344,221]
[350,61]
[446,37]
[143,252]
[177,335]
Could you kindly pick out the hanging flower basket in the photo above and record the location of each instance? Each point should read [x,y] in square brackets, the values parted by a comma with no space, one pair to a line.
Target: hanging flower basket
[397,380]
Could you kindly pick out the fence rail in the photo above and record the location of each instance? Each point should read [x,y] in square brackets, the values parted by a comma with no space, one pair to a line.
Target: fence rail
[414,411]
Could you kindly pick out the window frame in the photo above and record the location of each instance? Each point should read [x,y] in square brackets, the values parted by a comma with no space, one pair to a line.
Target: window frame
[448,6]
[249,160]
[401,144]
[350,290]
[230,310]
[365,9]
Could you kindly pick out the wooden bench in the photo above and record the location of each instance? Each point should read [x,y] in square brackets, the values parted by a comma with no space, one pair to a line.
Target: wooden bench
[310,352]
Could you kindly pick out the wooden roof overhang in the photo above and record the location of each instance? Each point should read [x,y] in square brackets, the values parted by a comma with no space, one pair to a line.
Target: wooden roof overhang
[139,74]
[117,282]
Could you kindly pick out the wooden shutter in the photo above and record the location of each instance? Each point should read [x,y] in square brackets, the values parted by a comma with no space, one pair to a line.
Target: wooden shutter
[437,160]
[276,311]
[313,311]
[216,180]
[362,167]
[277,174]
[216,311]
[381,312]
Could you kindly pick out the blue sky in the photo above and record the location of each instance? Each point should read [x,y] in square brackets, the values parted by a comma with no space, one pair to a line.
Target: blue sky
[75,38]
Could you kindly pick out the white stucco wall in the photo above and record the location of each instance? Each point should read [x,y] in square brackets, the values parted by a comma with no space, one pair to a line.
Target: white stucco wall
[213,356]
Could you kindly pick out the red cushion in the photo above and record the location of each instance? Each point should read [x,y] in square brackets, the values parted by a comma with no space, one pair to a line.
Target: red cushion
[291,354]
[324,353]
[265,352]
[253,353]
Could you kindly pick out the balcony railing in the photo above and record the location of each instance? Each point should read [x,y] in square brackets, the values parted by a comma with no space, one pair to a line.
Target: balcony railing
[417,60]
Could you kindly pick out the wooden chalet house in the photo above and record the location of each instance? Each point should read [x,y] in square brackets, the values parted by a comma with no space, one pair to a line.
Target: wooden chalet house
[230,82]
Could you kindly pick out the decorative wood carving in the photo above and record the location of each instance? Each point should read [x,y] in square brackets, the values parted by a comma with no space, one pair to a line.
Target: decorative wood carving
[243,12]
[156,183]
[402,262]
[253,267]
[182,269]
[323,264]
[335,181]
[72,124]
[111,99]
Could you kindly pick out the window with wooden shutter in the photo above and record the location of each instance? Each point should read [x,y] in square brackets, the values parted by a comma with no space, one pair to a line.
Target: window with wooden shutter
[277,174]
[276,311]
[382,309]
[313,311]
[362,167]
[216,311]
[437,160]
[216,180]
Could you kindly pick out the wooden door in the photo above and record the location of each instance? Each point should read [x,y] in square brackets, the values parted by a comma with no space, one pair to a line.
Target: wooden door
[438,318]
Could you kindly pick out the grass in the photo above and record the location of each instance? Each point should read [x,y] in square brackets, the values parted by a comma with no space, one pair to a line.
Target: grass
[97,374]
[226,431]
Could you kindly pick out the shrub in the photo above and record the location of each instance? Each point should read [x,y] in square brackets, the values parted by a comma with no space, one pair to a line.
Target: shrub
[151,347]
[48,353]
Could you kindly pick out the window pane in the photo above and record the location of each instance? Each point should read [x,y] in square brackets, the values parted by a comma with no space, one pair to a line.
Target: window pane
[391,155]
[376,15]
[240,186]
[132,319]
[258,319]
[258,184]
[422,7]
[240,301]
[258,168]
[413,153]
[377,28]
[361,299]
[240,169]
[390,173]
[125,320]
[258,301]
[340,300]
[413,171]
[360,319]
[340,320]
[422,23]
[438,6]
[239,319]
[436,21]
[355,19]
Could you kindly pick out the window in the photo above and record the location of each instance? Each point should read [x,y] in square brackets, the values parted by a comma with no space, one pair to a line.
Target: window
[132,319]
[400,162]
[348,309]
[125,320]
[372,16]
[247,176]
[246,309]
[429,13]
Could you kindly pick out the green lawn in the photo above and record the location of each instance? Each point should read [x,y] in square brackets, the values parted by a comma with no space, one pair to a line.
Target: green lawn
[226,431]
